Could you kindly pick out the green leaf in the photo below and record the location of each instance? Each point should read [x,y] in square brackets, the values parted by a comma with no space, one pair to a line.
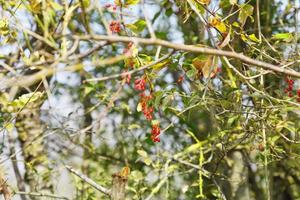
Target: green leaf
[158,96]
[4,28]
[287,37]
[86,3]
[137,26]
[245,12]
[192,73]
[236,24]
[133,126]
[254,38]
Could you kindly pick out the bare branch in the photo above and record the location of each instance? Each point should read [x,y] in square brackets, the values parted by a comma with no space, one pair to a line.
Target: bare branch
[191,48]
[89,181]
[38,194]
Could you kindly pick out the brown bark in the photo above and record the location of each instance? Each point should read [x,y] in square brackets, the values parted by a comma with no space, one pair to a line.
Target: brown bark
[4,189]
[118,187]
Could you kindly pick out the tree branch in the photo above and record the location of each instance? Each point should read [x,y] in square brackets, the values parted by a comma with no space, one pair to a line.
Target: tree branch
[38,194]
[191,48]
[132,71]
[89,181]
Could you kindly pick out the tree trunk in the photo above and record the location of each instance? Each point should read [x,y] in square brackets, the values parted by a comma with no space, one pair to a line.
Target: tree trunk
[118,187]
[30,131]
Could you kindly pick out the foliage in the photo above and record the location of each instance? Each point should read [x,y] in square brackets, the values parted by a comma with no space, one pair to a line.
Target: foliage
[200,99]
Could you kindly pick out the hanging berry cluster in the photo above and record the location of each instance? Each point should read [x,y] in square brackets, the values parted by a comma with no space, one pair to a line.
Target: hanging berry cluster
[114,25]
[145,105]
[289,89]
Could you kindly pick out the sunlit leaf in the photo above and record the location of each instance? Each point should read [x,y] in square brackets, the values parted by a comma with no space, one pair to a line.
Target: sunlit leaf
[218,24]
[245,12]
[131,2]
[137,26]
[287,37]
[254,38]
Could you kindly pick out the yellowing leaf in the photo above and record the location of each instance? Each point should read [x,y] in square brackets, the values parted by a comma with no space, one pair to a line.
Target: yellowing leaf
[206,2]
[218,24]
[134,126]
[207,68]
[235,24]
[161,65]
[131,2]
[155,122]
[204,64]
[146,159]
[199,62]
[254,38]
[142,153]
[139,107]
[4,27]
[287,37]
[244,38]
[35,6]
[245,12]
[125,172]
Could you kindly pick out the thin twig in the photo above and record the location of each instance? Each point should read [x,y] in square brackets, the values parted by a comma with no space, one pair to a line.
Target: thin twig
[89,181]
[130,72]
[38,194]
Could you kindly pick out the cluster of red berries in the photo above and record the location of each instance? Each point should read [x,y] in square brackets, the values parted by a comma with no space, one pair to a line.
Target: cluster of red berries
[155,133]
[289,89]
[140,84]
[115,26]
[146,108]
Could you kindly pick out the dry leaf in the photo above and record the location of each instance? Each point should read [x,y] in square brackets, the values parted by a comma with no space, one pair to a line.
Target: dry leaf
[125,172]
[206,70]
[225,41]
[204,64]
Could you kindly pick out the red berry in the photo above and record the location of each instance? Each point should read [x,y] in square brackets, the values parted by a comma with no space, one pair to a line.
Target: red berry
[290,94]
[115,27]
[140,84]
[155,133]
[298,92]
[286,90]
[180,79]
